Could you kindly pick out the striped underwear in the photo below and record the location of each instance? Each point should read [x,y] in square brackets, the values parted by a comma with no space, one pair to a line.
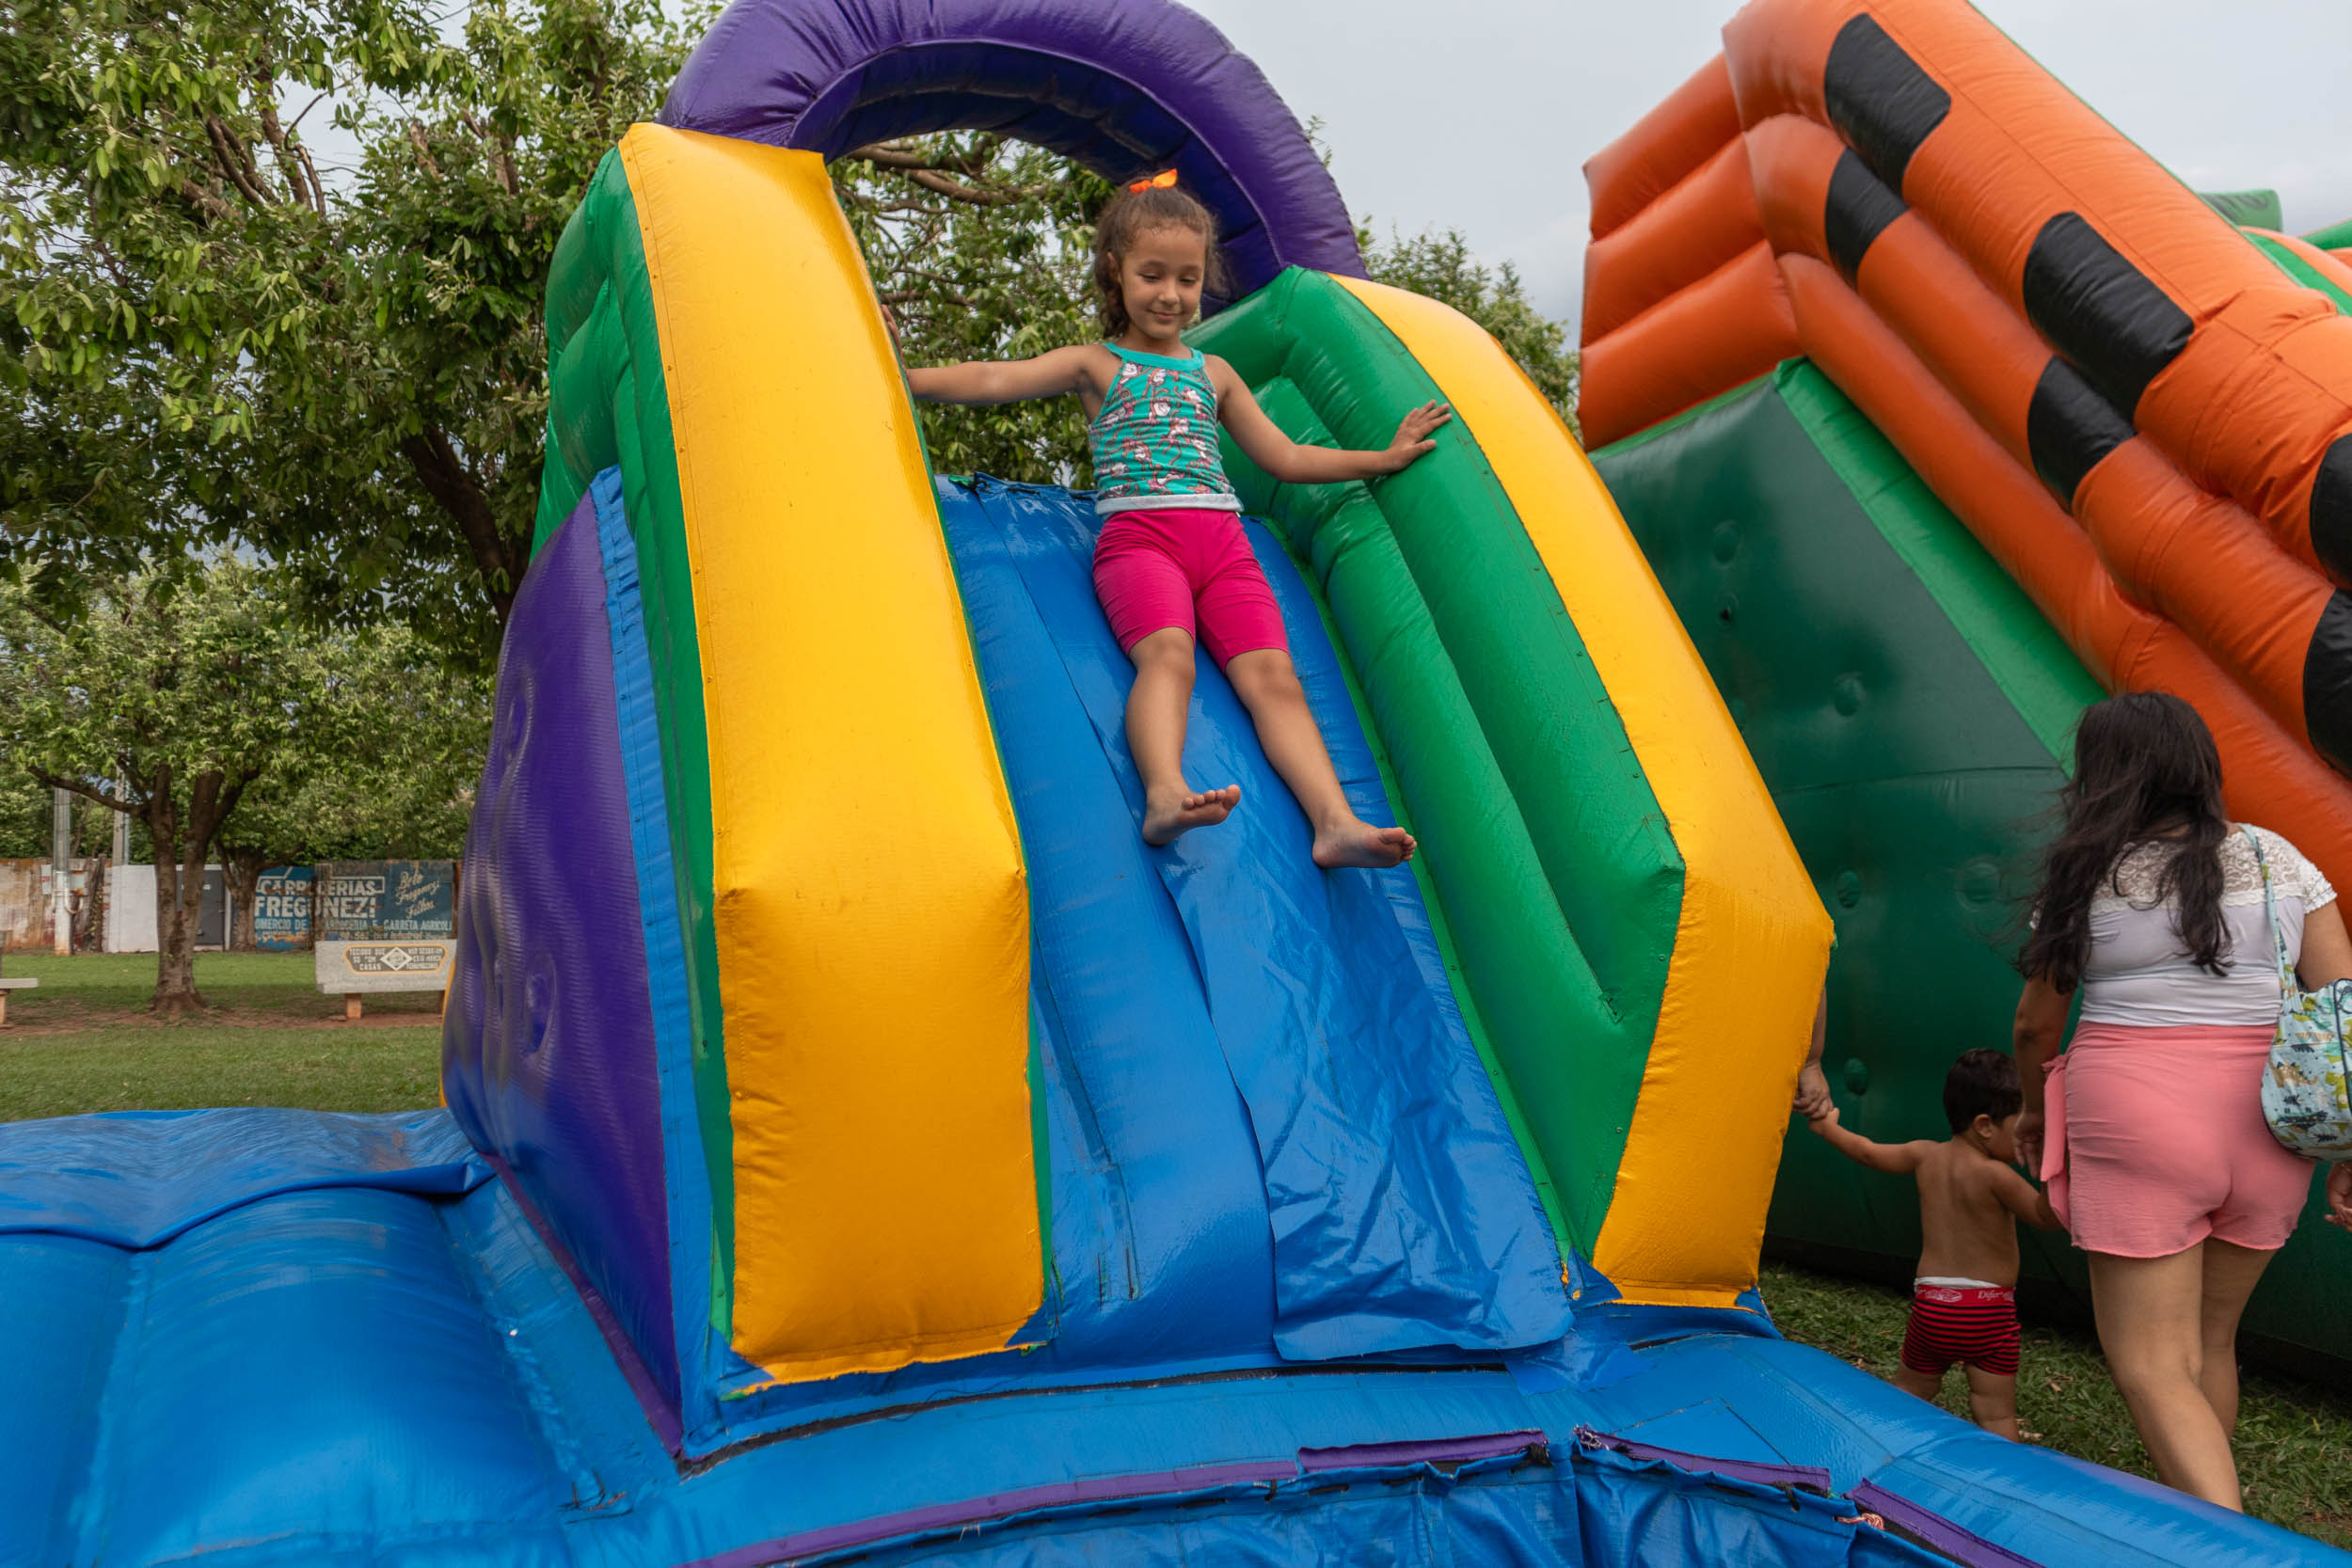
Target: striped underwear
[1966,1322]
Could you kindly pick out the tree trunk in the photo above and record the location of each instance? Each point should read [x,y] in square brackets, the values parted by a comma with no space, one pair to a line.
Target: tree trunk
[243,868]
[178,904]
[86,919]
[499,556]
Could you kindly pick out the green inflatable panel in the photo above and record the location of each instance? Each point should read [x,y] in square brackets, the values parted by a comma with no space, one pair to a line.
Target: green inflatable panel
[1800,550]
[1911,710]
[2257,209]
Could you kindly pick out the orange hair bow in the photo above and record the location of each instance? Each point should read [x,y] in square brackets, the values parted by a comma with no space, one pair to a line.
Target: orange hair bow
[1161,181]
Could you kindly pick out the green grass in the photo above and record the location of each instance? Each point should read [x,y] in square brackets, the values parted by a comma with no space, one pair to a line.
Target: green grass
[187,1067]
[83,1040]
[98,989]
[2291,1441]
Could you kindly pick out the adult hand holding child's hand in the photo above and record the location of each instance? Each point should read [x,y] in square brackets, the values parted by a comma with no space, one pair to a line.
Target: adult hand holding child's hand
[2340,1195]
[2029,1143]
[1812,1090]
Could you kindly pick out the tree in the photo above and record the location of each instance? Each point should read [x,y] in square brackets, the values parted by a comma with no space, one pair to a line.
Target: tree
[207,337]
[24,817]
[188,691]
[982,247]
[385,766]
[1441,265]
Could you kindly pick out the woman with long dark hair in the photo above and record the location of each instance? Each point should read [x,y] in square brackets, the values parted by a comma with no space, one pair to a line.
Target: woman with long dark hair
[2152,1139]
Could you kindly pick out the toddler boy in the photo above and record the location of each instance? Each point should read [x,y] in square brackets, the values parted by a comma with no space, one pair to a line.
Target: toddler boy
[1964,1301]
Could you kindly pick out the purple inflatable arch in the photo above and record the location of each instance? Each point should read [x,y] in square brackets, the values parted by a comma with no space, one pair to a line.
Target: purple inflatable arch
[1126,88]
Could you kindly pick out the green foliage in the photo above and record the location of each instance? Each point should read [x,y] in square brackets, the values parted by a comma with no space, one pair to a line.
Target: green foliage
[23,816]
[188,689]
[25,821]
[982,248]
[1441,265]
[383,765]
[206,338]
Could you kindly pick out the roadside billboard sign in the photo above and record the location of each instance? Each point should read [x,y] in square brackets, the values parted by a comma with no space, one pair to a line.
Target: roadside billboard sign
[385,926]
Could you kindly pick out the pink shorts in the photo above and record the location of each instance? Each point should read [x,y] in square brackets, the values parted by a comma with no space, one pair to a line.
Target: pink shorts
[2155,1140]
[1185,567]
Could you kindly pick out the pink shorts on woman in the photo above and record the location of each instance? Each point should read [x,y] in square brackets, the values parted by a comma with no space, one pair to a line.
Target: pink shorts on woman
[2154,1140]
[1182,566]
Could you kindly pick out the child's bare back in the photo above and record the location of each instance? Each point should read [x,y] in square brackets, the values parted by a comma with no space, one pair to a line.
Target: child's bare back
[1969,1206]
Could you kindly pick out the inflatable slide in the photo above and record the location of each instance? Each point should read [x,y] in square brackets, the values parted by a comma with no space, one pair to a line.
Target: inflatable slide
[859,1147]
[1941,410]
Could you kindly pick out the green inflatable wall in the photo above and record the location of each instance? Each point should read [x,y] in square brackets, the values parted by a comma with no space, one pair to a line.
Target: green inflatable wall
[1910,711]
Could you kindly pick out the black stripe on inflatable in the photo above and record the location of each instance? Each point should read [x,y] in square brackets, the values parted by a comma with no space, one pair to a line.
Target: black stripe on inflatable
[2069,428]
[2332,508]
[1857,212]
[2327,683]
[2100,310]
[1879,100]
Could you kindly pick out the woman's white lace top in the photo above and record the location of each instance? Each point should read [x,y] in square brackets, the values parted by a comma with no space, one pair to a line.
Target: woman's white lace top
[2139,975]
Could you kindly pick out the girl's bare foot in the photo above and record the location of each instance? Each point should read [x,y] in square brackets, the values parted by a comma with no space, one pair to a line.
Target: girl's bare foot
[1355,842]
[1177,811]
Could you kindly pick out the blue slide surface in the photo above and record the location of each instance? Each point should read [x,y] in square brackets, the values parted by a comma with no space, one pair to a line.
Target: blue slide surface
[1402,1211]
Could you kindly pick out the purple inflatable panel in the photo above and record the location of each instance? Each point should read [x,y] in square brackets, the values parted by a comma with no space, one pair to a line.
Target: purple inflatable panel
[548,1057]
[1125,87]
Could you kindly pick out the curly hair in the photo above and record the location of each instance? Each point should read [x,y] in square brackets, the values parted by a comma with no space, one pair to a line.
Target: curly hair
[2145,767]
[1135,212]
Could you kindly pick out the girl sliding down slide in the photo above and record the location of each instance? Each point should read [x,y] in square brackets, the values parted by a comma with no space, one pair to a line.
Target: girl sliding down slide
[1172,555]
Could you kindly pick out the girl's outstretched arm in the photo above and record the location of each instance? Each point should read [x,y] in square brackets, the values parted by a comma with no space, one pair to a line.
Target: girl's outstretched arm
[1048,375]
[1288,462]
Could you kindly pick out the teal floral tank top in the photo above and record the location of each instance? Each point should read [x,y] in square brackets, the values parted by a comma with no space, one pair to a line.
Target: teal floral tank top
[1154,440]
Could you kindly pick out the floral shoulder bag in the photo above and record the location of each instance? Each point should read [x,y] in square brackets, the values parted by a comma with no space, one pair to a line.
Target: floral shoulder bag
[2307,1092]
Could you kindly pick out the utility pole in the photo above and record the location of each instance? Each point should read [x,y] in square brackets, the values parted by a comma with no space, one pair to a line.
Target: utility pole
[61,871]
[122,822]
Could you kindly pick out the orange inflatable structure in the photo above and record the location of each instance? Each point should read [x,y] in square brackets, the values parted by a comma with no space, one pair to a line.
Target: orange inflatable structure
[2143,412]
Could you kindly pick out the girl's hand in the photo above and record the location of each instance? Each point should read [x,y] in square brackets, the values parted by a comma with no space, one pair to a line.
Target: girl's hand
[2340,1195]
[1412,435]
[1821,1121]
[2029,1143]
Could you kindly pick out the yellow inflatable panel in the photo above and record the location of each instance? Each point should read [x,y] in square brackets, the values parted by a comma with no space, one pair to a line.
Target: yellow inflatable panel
[872,910]
[1687,1215]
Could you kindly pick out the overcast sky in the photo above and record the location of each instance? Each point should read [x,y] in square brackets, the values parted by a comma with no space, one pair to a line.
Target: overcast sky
[1479,115]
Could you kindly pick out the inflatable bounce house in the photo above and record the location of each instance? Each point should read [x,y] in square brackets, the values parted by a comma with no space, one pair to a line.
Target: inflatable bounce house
[859,1147]
[1942,410]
